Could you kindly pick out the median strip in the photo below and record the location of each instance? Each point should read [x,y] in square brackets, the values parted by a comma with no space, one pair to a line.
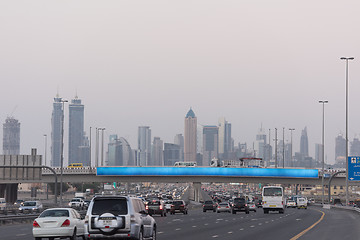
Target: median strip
[309,228]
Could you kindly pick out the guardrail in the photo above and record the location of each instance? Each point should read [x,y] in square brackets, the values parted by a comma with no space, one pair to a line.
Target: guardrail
[17,218]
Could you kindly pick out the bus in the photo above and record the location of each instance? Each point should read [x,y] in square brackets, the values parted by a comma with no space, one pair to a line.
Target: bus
[75,165]
[273,199]
[185,164]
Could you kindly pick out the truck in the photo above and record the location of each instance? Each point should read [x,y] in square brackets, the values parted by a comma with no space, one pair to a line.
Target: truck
[89,191]
[80,195]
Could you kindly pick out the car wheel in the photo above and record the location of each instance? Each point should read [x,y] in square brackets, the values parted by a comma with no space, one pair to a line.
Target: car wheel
[153,237]
[83,237]
[247,212]
[73,237]
[141,236]
[165,214]
[204,210]
[162,214]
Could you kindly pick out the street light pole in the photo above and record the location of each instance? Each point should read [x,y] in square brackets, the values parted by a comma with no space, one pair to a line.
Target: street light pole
[283,148]
[62,152]
[276,163]
[346,126]
[96,146]
[323,150]
[291,150]
[90,146]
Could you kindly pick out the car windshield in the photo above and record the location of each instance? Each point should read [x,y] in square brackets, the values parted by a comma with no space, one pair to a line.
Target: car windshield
[223,204]
[154,203]
[239,200]
[55,213]
[28,204]
[272,192]
[116,206]
[75,200]
[178,203]
[208,202]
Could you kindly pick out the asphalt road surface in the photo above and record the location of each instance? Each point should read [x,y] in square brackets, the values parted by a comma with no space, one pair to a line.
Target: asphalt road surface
[314,223]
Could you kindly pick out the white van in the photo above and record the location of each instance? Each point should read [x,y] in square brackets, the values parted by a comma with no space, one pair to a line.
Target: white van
[273,199]
[301,203]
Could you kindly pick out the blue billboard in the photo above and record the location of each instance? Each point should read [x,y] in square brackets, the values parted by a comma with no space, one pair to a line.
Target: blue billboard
[354,168]
[208,171]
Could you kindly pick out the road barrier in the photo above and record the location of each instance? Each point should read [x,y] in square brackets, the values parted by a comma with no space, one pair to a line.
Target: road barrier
[17,218]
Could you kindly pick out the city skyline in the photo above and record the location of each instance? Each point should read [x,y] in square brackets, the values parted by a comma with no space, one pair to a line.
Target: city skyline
[255,63]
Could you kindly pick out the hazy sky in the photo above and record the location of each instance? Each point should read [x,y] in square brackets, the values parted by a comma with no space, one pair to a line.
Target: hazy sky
[147,62]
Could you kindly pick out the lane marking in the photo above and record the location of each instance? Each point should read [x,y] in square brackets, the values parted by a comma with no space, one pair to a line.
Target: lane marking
[194,226]
[21,234]
[230,232]
[160,232]
[241,229]
[178,229]
[309,228]
[215,236]
[252,226]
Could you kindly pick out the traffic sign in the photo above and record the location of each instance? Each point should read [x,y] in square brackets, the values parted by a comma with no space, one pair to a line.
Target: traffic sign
[354,168]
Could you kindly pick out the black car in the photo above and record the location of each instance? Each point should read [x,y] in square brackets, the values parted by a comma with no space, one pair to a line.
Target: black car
[258,203]
[178,206]
[209,205]
[239,205]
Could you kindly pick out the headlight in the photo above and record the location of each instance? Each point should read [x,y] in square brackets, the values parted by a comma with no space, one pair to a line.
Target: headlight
[20,208]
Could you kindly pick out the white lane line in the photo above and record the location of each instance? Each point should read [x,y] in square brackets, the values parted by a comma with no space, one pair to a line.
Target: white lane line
[230,232]
[298,219]
[254,219]
[226,220]
[194,226]
[266,222]
[176,219]
[160,232]
[206,224]
[178,229]
[252,226]
[241,229]
[215,236]
[21,234]
[219,219]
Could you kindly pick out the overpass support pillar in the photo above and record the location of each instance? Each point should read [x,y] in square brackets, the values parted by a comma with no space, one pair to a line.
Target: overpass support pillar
[2,190]
[197,191]
[9,192]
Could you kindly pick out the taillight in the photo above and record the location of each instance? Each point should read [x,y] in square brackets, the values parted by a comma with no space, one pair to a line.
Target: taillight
[245,205]
[282,202]
[172,205]
[35,224]
[87,219]
[161,207]
[181,205]
[218,206]
[66,223]
[147,207]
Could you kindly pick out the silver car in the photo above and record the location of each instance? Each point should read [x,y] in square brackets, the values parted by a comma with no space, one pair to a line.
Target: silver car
[223,207]
[31,206]
[114,217]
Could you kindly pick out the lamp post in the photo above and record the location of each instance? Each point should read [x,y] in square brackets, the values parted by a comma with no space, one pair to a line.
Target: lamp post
[291,154]
[323,102]
[62,152]
[346,125]
[283,153]
[90,146]
[276,163]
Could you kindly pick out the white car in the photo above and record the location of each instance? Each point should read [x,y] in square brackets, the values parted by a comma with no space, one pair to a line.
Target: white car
[77,203]
[58,222]
[168,204]
[291,203]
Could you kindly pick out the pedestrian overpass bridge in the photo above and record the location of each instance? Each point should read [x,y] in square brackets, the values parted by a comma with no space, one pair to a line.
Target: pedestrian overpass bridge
[190,174]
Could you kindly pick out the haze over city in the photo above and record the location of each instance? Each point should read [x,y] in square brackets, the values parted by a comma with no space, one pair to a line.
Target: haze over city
[146,63]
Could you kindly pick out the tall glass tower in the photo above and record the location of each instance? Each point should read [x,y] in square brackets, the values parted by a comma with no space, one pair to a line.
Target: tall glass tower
[304,143]
[56,131]
[76,131]
[11,136]
[190,140]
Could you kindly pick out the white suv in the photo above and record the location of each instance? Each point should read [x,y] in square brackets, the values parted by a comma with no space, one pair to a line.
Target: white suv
[118,217]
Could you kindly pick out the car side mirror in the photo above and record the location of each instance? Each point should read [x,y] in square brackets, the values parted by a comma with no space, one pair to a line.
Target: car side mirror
[144,212]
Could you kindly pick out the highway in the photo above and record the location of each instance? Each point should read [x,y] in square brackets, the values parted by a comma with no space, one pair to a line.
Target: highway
[335,224]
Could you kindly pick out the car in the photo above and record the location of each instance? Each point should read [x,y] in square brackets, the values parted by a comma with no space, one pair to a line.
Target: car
[301,203]
[114,217]
[239,205]
[291,203]
[58,222]
[168,204]
[31,206]
[86,203]
[223,207]
[258,203]
[77,203]
[156,207]
[252,206]
[179,206]
[19,202]
[209,205]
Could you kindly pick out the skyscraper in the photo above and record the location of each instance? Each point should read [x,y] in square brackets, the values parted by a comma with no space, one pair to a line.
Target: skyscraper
[260,145]
[179,140]
[225,143]
[119,152]
[171,154]
[11,136]
[210,144]
[190,137]
[157,152]
[318,153]
[144,146]
[340,149]
[355,147]
[76,131]
[304,143]
[56,131]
